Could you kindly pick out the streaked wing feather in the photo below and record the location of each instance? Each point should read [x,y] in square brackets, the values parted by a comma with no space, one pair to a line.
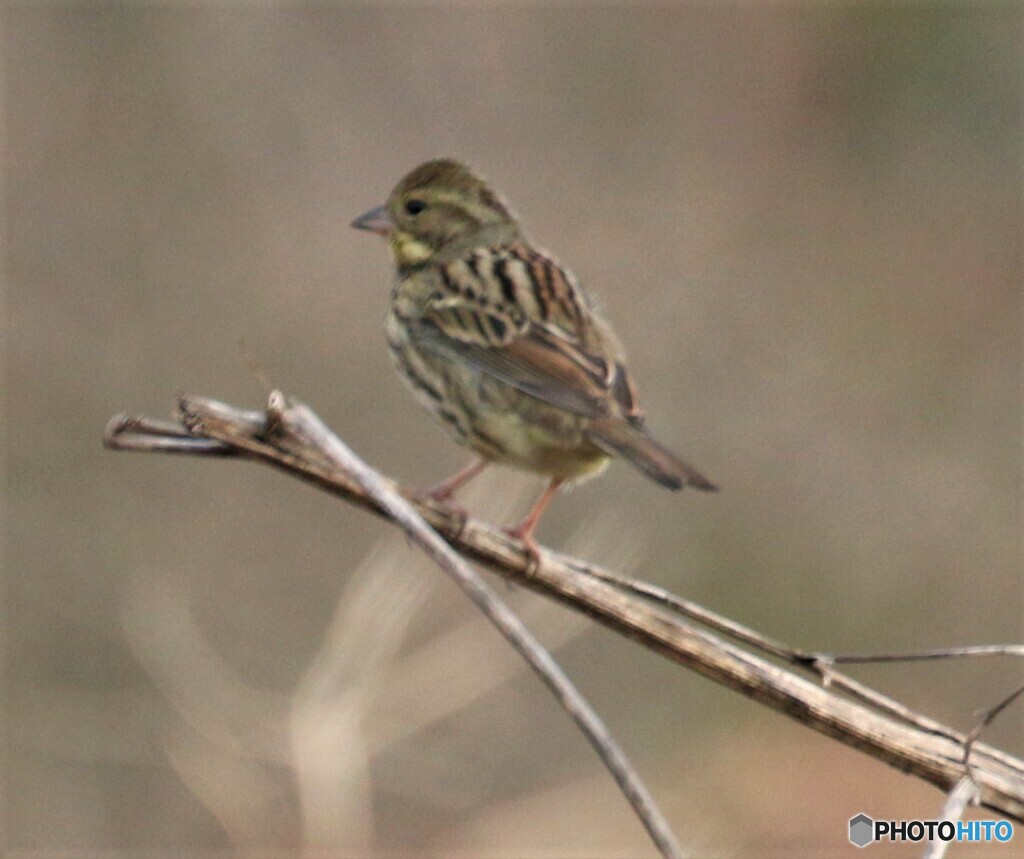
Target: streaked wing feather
[525,355]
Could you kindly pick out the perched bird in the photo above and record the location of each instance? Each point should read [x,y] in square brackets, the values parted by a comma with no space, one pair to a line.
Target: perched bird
[501,344]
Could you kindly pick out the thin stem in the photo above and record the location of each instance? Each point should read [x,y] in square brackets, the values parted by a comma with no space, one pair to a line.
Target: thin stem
[964,793]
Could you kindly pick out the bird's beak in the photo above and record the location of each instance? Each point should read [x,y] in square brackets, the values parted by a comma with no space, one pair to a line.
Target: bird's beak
[375,221]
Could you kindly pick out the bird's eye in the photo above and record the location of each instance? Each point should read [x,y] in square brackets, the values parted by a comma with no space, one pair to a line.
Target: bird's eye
[414,207]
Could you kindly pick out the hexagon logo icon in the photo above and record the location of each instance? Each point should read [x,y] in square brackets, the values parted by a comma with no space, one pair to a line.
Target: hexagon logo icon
[862,830]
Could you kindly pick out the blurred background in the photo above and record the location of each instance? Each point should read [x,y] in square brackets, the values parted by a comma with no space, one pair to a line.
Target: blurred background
[805,223]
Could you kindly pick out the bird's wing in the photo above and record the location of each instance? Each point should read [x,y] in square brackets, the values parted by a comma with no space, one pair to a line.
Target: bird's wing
[494,319]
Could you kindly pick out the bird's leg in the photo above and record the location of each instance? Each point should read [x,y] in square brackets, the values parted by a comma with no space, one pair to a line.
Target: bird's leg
[446,488]
[524,530]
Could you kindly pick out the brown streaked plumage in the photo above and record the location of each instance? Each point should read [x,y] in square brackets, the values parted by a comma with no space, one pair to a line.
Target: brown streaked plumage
[502,346]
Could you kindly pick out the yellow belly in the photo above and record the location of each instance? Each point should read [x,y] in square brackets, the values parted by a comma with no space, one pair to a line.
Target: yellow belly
[543,447]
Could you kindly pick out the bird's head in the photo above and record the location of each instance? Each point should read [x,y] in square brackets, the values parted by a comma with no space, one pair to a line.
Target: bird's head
[440,207]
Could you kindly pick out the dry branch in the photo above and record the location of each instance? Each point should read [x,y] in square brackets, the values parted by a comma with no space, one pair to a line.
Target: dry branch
[841,707]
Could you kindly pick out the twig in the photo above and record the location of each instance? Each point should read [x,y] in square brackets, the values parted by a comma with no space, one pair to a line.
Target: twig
[147,435]
[987,717]
[930,655]
[882,728]
[819,664]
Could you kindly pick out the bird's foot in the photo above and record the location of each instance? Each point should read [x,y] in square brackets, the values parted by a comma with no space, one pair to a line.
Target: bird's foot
[523,532]
[456,513]
[444,498]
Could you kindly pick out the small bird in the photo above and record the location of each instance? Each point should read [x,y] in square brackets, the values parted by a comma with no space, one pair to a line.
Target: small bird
[501,344]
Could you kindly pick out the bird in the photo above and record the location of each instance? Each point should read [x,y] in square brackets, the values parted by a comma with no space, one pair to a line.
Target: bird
[503,347]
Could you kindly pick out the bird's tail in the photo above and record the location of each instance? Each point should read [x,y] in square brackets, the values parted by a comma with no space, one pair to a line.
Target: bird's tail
[619,437]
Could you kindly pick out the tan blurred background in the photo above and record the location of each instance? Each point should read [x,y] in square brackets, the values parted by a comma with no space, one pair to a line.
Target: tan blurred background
[805,222]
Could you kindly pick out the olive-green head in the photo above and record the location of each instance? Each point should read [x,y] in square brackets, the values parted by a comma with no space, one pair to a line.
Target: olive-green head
[440,206]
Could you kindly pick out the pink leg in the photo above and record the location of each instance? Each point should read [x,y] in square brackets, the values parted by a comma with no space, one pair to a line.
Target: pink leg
[446,488]
[524,530]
